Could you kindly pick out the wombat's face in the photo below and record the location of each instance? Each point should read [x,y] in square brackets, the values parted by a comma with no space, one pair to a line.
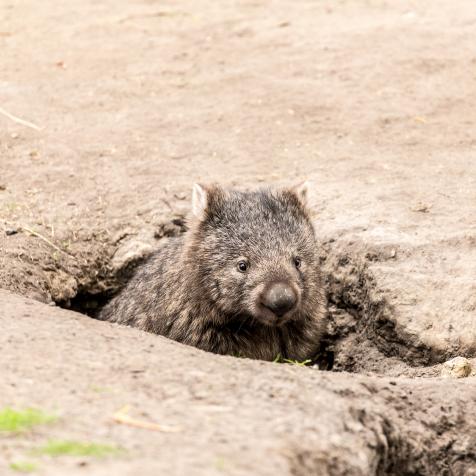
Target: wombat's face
[256,254]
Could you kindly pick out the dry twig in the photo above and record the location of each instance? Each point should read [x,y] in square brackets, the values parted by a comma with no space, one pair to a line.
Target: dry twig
[121,416]
[20,121]
[43,238]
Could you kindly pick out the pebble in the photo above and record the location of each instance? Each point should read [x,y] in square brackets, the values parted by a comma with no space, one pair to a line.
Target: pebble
[458,367]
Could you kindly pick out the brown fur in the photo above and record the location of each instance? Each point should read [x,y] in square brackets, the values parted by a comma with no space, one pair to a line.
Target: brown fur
[191,290]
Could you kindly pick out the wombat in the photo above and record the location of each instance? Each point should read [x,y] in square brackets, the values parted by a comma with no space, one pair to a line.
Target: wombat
[244,280]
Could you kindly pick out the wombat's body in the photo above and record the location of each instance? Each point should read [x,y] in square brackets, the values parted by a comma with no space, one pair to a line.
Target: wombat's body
[244,280]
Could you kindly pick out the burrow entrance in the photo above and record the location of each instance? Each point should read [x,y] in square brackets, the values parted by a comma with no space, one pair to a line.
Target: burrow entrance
[362,335]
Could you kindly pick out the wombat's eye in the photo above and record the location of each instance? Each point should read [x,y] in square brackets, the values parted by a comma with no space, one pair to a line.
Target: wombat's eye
[297,262]
[242,266]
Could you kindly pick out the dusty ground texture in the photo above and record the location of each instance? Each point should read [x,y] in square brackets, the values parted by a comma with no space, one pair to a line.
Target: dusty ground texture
[369,100]
[267,419]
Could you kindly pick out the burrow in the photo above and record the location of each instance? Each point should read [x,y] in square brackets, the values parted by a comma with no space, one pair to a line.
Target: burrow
[363,335]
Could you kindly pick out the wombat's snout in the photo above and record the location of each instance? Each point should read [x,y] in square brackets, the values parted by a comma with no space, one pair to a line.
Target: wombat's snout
[279,298]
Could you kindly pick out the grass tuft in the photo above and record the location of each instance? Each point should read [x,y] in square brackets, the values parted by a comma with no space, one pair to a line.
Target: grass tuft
[23,466]
[75,448]
[16,421]
[279,360]
[304,363]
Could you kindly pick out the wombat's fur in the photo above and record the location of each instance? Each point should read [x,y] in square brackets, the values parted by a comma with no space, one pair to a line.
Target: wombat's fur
[244,280]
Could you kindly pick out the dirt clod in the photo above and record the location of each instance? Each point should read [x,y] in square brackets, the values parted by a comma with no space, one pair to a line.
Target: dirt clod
[457,367]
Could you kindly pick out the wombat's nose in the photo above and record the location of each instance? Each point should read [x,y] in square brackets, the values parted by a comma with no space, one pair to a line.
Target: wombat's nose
[279,298]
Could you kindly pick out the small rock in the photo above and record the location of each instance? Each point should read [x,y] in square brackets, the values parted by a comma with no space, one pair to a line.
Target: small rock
[11,231]
[458,367]
[2,187]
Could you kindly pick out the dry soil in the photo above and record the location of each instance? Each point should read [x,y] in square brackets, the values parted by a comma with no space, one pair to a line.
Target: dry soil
[371,101]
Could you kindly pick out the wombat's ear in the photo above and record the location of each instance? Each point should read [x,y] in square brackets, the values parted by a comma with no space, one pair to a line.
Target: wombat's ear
[301,190]
[199,200]
[206,200]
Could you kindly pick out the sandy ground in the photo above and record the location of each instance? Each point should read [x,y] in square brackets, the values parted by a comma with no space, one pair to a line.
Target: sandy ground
[371,101]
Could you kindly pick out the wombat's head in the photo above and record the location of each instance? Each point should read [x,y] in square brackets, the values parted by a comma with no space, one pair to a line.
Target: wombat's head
[255,253]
